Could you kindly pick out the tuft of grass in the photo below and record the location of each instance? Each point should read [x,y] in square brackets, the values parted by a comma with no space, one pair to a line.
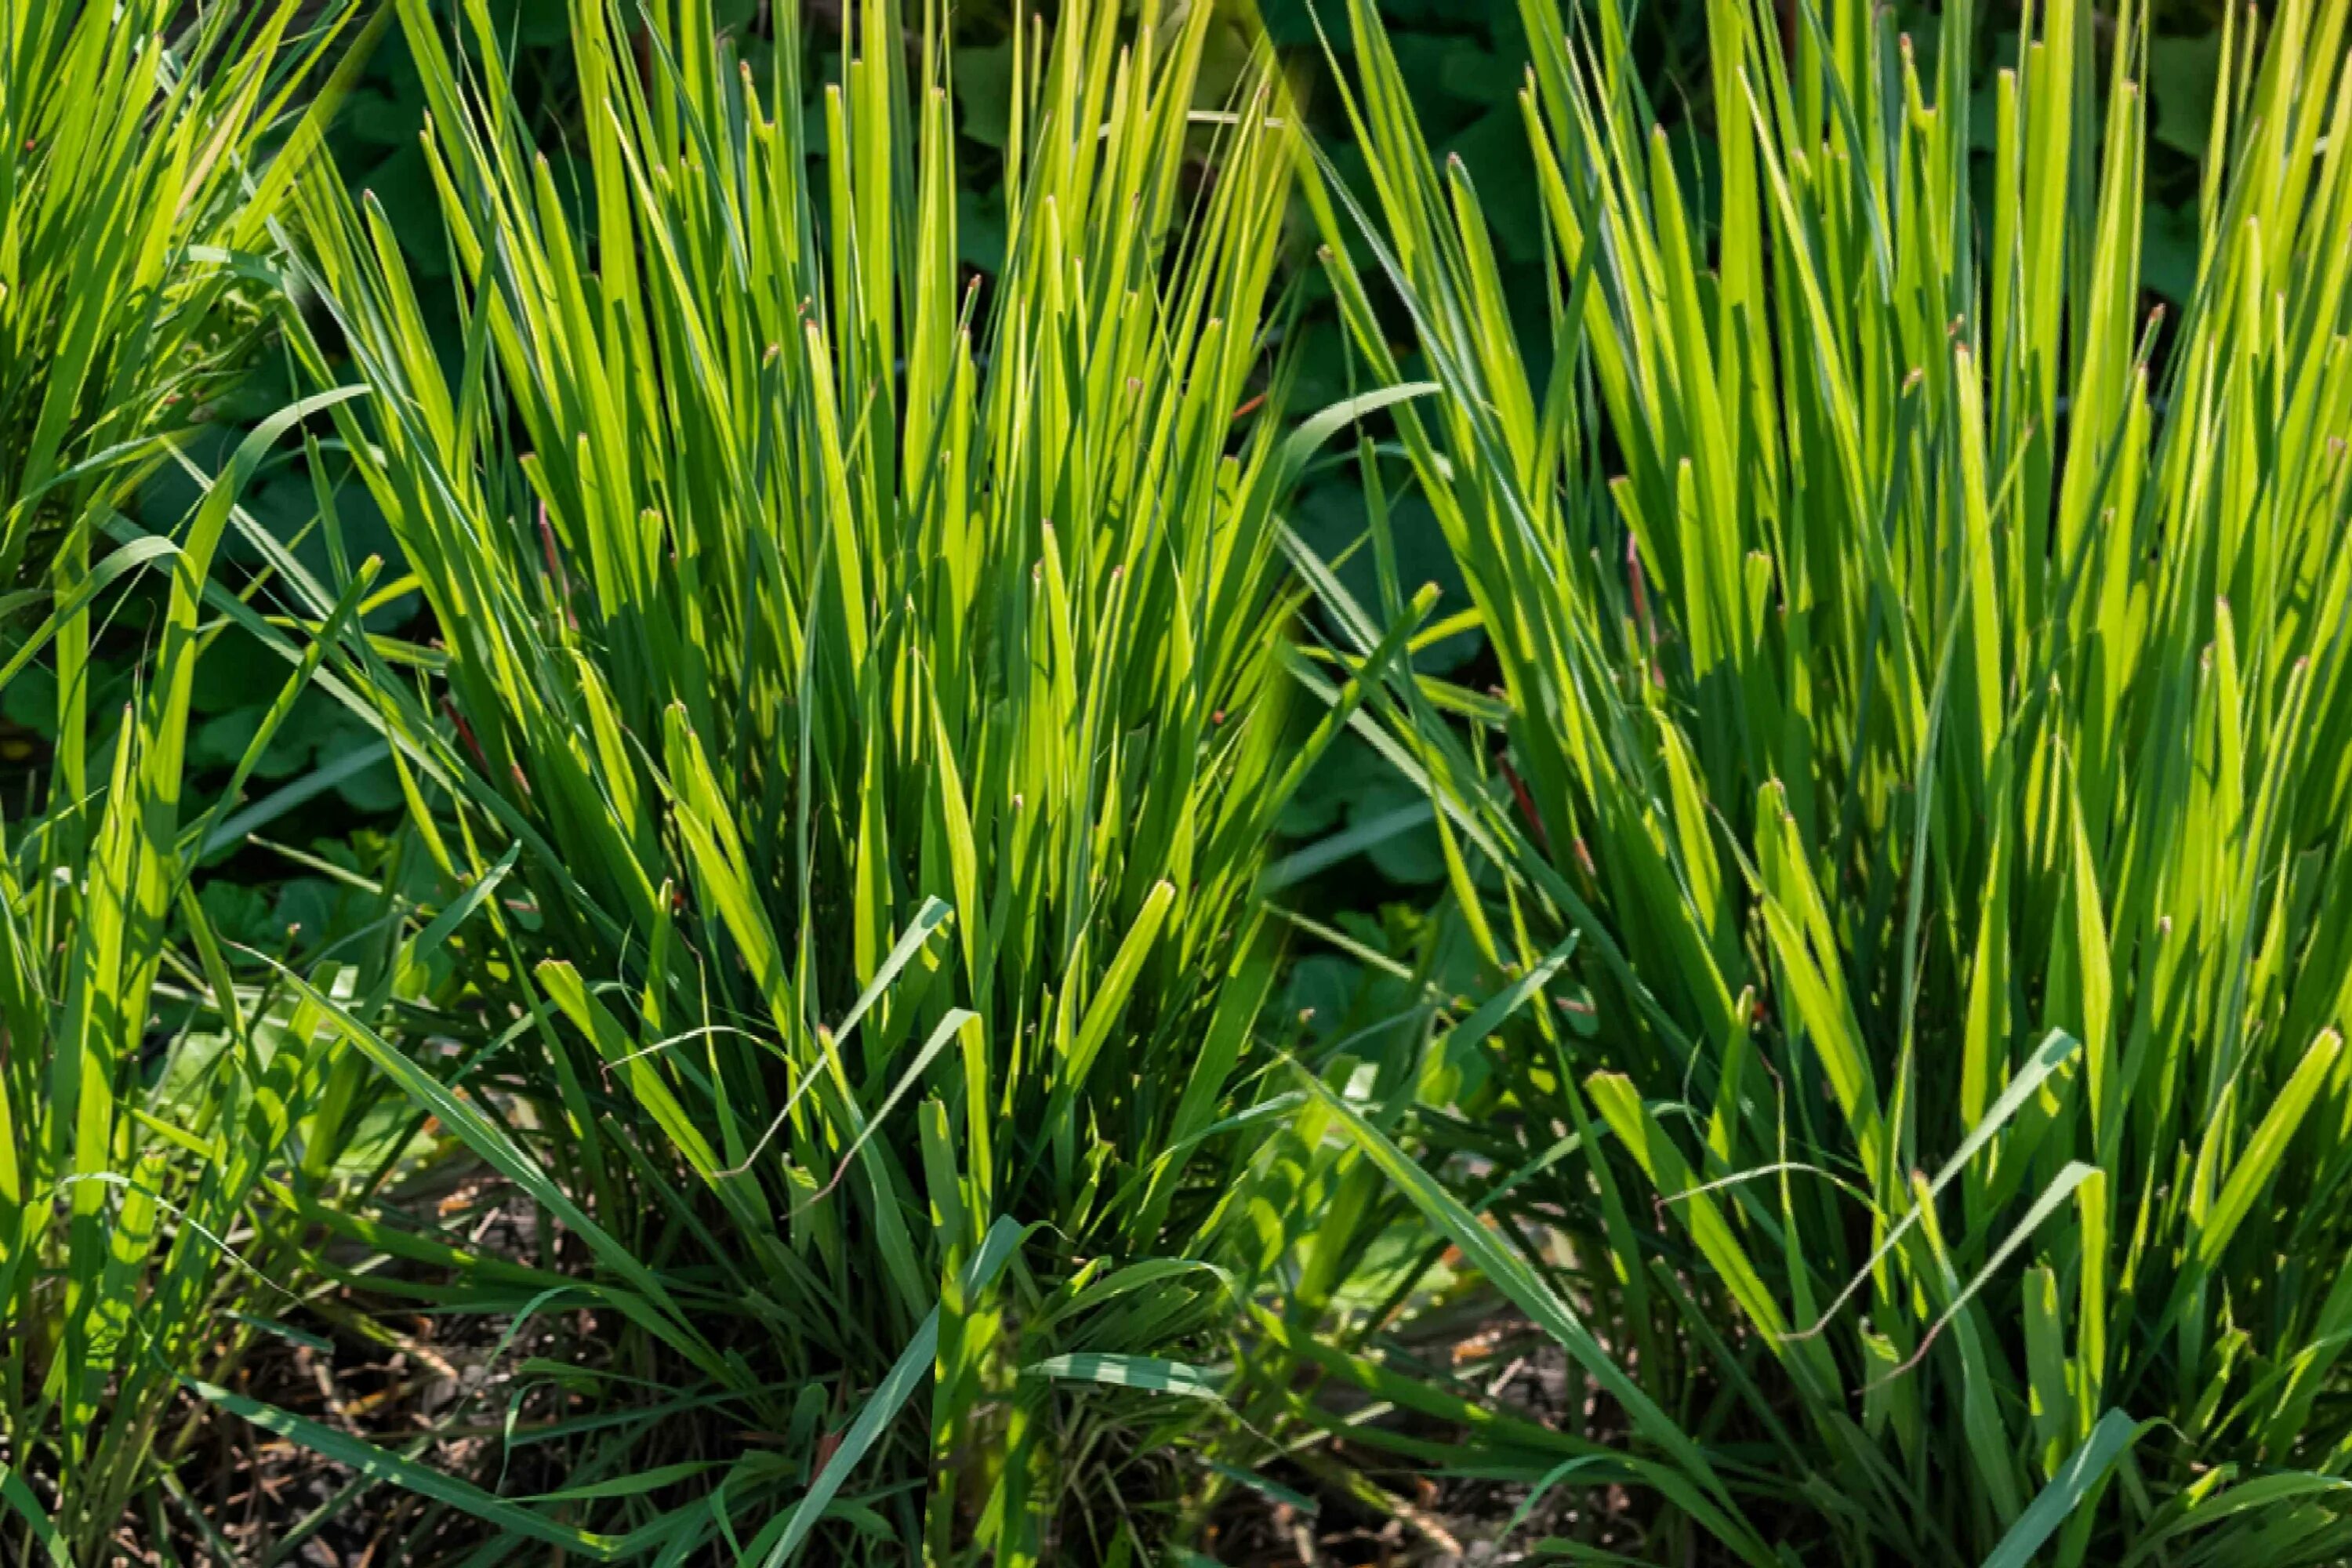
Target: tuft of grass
[146,1094]
[879,670]
[1923,694]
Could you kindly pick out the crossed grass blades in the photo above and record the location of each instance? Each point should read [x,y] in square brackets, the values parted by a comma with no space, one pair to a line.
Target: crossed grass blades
[1934,736]
[880,672]
[157,1111]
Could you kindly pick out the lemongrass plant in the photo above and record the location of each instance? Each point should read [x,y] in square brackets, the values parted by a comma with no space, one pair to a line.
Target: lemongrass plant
[144,1093]
[879,669]
[1924,705]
